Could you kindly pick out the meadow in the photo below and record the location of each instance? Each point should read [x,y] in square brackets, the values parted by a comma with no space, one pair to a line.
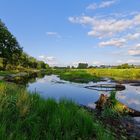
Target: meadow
[126,74]
[96,74]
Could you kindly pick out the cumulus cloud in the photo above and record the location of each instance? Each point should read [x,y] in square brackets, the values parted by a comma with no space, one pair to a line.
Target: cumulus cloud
[113,42]
[108,26]
[133,61]
[53,34]
[48,59]
[135,51]
[97,63]
[103,4]
[129,61]
[133,36]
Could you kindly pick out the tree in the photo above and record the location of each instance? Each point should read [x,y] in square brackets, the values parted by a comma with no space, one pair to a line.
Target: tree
[82,66]
[41,65]
[9,46]
[125,66]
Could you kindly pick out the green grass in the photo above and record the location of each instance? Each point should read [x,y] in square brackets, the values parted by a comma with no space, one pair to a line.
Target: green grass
[118,74]
[25,116]
[87,75]
[78,76]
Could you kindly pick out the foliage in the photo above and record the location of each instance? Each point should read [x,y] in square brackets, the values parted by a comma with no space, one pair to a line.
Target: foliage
[26,116]
[82,65]
[125,66]
[9,47]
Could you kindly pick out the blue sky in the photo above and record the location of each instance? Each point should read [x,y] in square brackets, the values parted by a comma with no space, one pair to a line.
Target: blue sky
[66,32]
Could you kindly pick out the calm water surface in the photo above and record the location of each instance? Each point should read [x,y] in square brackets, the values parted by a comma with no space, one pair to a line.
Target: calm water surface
[53,87]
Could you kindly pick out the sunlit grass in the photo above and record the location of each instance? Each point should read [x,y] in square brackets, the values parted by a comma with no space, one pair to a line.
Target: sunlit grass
[25,116]
[78,76]
[116,73]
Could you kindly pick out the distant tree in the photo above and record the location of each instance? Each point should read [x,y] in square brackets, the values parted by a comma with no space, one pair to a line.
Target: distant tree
[125,66]
[82,66]
[68,67]
[9,47]
[73,67]
[91,67]
[41,65]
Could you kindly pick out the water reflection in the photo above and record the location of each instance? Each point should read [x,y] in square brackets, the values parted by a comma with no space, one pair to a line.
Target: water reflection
[130,97]
[24,78]
[52,87]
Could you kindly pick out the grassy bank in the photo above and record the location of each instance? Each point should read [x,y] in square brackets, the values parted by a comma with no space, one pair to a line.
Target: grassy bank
[132,74]
[25,116]
[88,75]
[78,76]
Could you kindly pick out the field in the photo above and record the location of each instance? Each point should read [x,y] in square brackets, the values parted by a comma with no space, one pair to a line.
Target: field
[130,74]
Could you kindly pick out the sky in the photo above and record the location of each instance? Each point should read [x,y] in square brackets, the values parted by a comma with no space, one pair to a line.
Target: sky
[66,32]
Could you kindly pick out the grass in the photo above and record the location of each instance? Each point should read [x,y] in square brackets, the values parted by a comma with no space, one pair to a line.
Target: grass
[118,74]
[78,76]
[88,75]
[25,116]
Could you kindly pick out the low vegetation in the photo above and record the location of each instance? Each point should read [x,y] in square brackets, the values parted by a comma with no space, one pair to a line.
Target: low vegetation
[26,116]
[116,73]
[78,76]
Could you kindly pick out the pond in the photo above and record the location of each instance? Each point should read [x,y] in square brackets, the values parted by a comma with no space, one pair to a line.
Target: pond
[52,87]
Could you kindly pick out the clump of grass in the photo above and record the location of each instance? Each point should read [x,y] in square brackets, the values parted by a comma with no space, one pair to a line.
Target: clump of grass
[113,108]
[25,116]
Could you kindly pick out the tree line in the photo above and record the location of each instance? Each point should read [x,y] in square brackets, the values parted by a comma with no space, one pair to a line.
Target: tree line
[12,55]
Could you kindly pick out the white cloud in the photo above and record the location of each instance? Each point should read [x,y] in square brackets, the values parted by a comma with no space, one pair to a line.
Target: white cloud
[104,4]
[53,34]
[48,59]
[113,42]
[133,36]
[119,61]
[107,26]
[129,61]
[92,6]
[133,61]
[135,51]
[97,63]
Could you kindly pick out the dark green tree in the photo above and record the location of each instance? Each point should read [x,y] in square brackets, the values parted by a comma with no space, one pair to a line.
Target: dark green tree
[82,66]
[9,47]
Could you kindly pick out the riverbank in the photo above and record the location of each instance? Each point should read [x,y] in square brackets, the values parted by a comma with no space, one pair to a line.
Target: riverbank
[28,116]
[121,76]
[116,74]
[95,75]
[77,76]
[21,77]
